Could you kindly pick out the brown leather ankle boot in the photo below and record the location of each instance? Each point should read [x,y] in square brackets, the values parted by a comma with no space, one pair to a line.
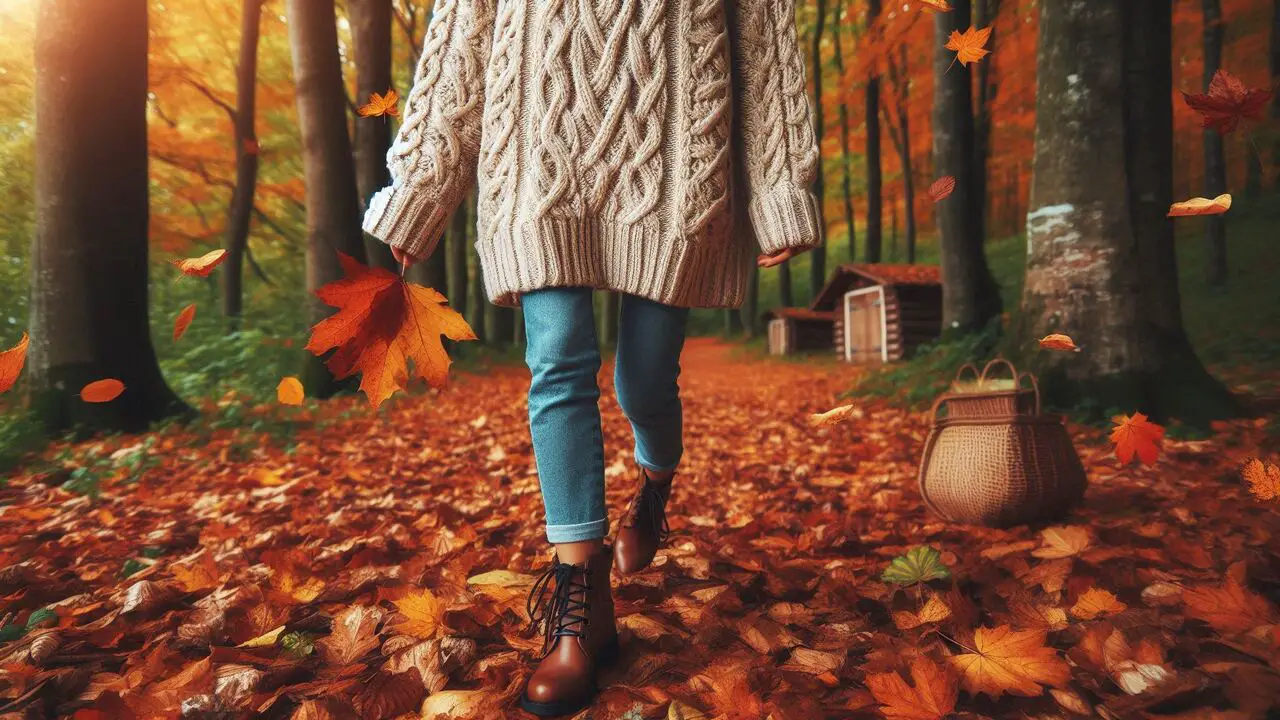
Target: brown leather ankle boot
[580,634]
[643,528]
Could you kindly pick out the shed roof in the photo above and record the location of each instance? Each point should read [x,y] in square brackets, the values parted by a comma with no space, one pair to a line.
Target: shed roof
[879,273]
[800,313]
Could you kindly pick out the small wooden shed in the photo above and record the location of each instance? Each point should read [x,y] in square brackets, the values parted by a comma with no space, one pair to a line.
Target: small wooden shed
[880,312]
[796,329]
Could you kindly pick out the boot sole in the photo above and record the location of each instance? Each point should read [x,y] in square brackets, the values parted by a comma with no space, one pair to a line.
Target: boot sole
[608,654]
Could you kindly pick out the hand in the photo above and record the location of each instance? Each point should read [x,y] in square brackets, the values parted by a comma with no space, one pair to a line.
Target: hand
[768,261]
[405,258]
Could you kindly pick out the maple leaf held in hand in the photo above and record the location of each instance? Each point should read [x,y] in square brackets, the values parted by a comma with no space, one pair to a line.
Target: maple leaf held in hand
[381,105]
[1227,102]
[969,45]
[1005,660]
[1136,436]
[383,322]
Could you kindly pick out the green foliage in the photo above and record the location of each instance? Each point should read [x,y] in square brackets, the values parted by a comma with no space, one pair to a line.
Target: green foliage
[11,632]
[20,434]
[131,566]
[920,565]
[43,617]
[918,381]
[298,644]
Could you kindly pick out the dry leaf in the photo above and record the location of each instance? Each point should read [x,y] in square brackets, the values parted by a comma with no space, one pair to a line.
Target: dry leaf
[835,416]
[381,105]
[289,391]
[970,46]
[1227,102]
[1062,542]
[935,610]
[942,188]
[1201,206]
[452,704]
[1136,436]
[100,391]
[183,321]
[200,575]
[11,362]
[203,265]
[1057,341]
[1230,609]
[353,635]
[936,5]
[1262,478]
[1010,661]
[1095,603]
[931,696]
[421,614]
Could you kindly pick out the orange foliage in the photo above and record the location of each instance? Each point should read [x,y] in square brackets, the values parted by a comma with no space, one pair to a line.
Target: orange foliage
[11,362]
[1135,436]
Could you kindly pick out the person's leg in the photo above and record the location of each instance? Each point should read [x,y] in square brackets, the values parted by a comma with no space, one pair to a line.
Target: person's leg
[650,338]
[564,417]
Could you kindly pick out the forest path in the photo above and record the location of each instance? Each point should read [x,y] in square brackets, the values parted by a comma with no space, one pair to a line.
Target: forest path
[767,599]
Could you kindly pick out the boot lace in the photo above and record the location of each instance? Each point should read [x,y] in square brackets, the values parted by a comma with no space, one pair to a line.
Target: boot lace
[556,608]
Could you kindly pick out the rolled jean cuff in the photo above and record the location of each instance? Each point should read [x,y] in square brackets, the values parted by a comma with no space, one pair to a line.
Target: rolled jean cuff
[594,530]
[656,468]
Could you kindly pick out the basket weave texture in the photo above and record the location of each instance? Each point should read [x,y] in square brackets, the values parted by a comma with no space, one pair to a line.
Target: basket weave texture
[996,460]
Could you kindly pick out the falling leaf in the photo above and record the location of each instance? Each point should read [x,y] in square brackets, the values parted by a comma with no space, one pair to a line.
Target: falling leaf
[289,391]
[970,46]
[835,416]
[100,391]
[183,321]
[383,322]
[354,635]
[1010,661]
[1263,478]
[1058,341]
[1227,102]
[942,188]
[1230,609]
[1201,206]
[1062,542]
[1095,603]
[1136,436]
[935,610]
[921,564]
[203,265]
[381,105]
[421,612]
[11,362]
[931,697]
[937,5]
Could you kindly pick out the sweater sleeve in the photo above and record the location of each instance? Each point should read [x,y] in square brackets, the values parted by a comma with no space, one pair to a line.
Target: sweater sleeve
[779,149]
[433,159]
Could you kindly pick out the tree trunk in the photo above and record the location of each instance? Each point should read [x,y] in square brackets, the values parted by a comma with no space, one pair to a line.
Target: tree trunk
[1215,166]
[751,303]
[1100,252]
[371,35]
[241,210]
[874,209]
[479,301]
[844,135]
[900,76]
[784,283]
[610,317]
[333,210]
[89,256]
[1275,78]
[818,255]
[893,231]
[985,14]
[504,323]
[459,242]
[970,296]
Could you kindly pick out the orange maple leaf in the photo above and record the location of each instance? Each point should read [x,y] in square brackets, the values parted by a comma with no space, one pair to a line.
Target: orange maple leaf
[11,362]
[942,188]
[1227,102]
[183,321]
[1201,206]
[1135,435]
[1263,478]
[969,45]
[932,698]
[203,265]
[1232,608]
[100,391]
[1058,341]
[420,613]
[381,105]
[201,574]
[1095,602]
[383,322]
[1005,660]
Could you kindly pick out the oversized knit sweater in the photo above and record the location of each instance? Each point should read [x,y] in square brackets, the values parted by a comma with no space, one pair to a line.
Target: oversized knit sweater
[628,145]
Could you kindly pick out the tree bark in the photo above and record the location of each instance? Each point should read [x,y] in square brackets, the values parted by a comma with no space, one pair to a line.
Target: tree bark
[333,210]
[970,296]
[874,200]
[1215,166]
[459,243]
[371,36]
[479,300]
[89,281]
[900,77]
[1275,78]
[844,135]
[610,314]
[784,283]
[751,303]
[985,14]
[241,211]
[818,255]
[504,324]
[1100,252]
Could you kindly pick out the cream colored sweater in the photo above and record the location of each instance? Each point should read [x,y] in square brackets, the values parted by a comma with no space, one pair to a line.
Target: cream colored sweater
[617,144]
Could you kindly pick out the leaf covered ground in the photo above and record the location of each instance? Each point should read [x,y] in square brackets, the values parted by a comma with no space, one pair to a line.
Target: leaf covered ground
[377,566]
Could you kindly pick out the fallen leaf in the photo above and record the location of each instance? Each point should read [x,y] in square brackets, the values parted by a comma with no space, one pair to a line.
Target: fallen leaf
[503,578]
[266,639]
[969,45]
[1263,478]
[1095,603]
[942,188]
[932,695]
[679,711]
[934,610]
[354,635]
[421,614]
[381,105]
[203,265]
[921,564]
[1230,609]
[450,704]
[289,391]
[100,391]
[382,323]
[1136,436]
[11,362]
[183,321]
[937,5]
[1062,542]
[835,416]
[1010,661]
[1201,206]
[199,575]
[1227,102]
[1057,341]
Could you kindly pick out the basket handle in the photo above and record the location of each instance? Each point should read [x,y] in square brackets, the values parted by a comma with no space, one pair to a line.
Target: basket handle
[999,361]
[967,366]
[937,405]
[1034,386]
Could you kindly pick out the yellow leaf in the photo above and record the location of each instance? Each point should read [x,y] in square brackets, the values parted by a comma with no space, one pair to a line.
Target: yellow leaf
[289,391]
[1061,542]
[935,610]
[1201,206]
[266,640]
[1010,661]
[422,614]
[199,575]
[303,589]
[1094,603]
[505,578]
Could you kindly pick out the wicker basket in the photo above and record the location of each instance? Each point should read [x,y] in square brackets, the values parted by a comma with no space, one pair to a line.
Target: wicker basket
[981,402]
[999,470]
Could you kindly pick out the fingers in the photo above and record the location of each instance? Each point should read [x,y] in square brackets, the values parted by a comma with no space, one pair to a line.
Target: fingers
[768,261]
[403,257]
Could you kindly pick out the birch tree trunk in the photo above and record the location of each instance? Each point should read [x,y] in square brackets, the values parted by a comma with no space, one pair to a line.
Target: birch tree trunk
[241,211]
[874,200]
[847,156]
[371,35]
[89,296]
[333,210]
[1215,166]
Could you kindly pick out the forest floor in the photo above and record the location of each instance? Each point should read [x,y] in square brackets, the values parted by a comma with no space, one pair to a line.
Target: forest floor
[376,565]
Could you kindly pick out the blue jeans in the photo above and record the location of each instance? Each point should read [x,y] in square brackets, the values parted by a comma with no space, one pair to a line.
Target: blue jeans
[564,411]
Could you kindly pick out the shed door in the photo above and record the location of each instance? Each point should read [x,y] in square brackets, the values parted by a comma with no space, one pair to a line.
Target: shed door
[864,325]
[779,336]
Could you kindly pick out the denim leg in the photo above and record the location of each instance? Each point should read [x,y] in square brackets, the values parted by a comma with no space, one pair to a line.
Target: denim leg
[650,338]
[564,411]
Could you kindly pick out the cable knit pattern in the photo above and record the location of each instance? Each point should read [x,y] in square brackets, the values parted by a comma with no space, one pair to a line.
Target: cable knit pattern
[603,137]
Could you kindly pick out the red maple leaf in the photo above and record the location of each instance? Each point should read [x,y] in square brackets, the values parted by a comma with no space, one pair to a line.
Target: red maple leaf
[1227,102]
